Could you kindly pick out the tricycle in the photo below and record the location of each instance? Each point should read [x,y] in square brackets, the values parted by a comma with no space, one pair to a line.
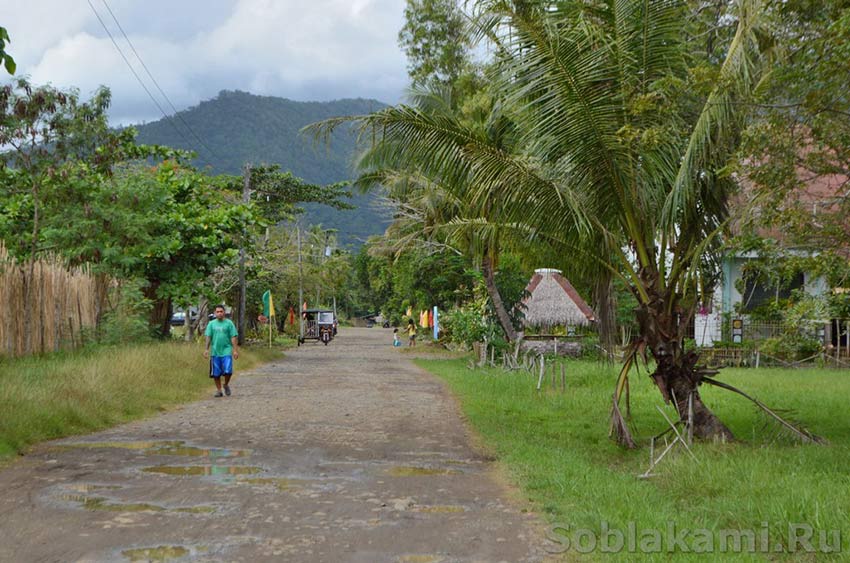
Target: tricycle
[319,324]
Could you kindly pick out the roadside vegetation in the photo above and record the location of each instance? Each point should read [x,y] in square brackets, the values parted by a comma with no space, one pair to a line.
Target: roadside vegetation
[60,395]
[553,444]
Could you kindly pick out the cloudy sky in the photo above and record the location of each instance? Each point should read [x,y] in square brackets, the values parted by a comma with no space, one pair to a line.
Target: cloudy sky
[299,49]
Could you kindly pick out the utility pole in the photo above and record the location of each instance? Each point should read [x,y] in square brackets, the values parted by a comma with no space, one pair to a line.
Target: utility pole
[246,196]
[300,288]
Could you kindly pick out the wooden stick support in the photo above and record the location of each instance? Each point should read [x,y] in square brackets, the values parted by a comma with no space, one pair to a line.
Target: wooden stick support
[542,372]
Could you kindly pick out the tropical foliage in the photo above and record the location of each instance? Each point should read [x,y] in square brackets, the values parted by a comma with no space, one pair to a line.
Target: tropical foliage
[609,134]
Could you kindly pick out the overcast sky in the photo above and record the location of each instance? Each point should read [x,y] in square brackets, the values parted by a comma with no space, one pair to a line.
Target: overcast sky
[299,49]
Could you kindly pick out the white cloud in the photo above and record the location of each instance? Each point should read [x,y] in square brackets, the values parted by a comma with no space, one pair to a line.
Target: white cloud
[307,50]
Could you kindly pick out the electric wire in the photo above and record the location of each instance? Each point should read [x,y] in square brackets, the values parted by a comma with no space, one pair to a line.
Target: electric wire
[138,78]
[150,75]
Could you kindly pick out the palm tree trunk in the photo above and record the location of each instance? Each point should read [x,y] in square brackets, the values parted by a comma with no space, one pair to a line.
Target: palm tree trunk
[605,303]
[496,298]
[676,374]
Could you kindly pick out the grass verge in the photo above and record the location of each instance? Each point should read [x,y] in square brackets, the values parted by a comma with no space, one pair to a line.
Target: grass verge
[50,397]
[554,445]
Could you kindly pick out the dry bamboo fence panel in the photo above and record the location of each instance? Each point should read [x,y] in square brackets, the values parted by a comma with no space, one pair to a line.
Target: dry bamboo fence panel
[47,306]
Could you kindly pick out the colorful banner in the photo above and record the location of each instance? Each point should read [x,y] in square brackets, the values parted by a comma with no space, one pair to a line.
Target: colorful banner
[268,304]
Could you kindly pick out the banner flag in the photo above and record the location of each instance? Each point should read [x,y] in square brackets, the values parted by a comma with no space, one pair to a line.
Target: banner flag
[268,304]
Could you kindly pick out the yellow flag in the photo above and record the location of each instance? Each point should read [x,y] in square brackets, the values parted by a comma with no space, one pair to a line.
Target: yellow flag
[268,304]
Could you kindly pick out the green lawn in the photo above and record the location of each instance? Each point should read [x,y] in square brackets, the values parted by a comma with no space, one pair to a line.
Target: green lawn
[43,398]
[554,445]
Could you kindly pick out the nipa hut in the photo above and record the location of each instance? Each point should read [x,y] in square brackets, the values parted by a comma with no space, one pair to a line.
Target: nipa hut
[553,301]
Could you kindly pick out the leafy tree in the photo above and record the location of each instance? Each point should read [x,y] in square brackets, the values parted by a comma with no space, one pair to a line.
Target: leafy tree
[47,130]
[169,225]
[796,153]
[278,194]
[435,40]
[5,58]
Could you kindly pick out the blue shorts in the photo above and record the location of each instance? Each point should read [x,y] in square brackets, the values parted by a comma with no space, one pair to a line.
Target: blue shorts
[221,365]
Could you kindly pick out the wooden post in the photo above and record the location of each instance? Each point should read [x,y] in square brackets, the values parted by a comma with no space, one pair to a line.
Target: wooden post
[554,385]
[690,418]
[542,372]
[246,197]
[847,335]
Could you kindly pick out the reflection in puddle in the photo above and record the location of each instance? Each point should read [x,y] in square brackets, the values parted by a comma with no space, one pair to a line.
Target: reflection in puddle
[200,452]
[410,471]
[158,554]
[190,470]
[89,488]
[420,559]
[101,503]
[160,448]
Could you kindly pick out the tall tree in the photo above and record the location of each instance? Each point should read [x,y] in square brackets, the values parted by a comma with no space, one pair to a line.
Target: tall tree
[435,40]
[796,153]
[620,144]
[434,209]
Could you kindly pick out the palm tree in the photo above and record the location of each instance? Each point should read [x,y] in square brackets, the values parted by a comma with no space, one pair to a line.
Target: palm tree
[443,210]
[611,154]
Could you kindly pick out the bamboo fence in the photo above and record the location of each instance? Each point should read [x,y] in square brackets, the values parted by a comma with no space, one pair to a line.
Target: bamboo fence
[46,306]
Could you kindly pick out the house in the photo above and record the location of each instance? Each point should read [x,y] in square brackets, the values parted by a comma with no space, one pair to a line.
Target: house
[553,301]
[736,295]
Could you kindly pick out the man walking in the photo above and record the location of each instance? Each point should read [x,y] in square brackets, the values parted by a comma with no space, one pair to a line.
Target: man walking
[221,349]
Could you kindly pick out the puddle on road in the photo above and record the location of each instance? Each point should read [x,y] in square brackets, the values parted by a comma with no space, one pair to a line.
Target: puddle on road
[155,554]
[101,503]
[203,470]
[119,445]
[90,488]
[412,471]
[104,504]
[440,509]
[420,559]
[281,483]
[176,448]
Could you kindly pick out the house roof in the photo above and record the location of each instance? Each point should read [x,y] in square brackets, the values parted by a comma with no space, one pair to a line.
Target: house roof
[553,301]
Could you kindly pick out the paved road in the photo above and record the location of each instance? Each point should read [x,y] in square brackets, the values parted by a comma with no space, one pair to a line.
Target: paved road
[340,453]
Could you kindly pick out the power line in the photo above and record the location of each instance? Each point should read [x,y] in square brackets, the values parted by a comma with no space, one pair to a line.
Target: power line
[150,75]
[138,78]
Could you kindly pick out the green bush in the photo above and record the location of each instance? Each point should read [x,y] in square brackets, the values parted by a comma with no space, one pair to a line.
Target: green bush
[464,325]
[128,321]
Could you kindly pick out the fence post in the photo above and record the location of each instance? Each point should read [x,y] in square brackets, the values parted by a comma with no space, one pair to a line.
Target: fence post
[542,371]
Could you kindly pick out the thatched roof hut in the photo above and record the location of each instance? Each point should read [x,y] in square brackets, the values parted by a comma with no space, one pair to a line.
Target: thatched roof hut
[553,301]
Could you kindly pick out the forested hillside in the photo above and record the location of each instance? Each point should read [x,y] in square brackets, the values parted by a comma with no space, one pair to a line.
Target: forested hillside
[237,127]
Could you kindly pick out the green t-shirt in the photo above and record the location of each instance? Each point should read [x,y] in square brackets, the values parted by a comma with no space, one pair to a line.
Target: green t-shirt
[220,332]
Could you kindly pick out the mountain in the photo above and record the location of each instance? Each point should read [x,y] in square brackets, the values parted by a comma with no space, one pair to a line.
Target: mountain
[237,127]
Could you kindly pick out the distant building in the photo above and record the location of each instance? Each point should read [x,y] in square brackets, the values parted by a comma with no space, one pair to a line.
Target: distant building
[553,301]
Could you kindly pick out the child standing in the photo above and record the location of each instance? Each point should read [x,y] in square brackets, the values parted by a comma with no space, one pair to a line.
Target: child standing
[396,339]
[411,333]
